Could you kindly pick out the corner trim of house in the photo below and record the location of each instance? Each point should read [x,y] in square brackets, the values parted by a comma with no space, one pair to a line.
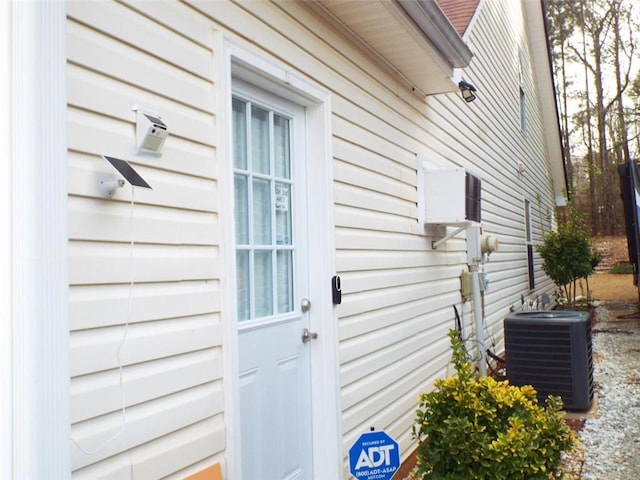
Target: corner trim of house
[35,331]
[6,416]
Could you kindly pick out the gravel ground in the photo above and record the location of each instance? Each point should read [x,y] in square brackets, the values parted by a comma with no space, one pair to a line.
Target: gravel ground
[610,441]
[609,447]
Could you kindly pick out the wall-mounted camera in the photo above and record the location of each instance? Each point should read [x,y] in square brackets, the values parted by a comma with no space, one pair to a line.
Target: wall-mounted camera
[151,133]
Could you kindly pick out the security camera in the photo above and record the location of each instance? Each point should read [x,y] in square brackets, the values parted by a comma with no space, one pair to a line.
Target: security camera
[151,132]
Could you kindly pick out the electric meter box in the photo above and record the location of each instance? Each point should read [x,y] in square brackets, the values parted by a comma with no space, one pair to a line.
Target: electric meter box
[452,196]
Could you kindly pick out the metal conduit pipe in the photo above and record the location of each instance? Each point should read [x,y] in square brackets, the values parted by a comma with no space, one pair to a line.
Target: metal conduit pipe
[474,257]
[477,317]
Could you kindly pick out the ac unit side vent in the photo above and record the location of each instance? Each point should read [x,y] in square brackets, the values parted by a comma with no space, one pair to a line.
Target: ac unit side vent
[472,198]
[553,353]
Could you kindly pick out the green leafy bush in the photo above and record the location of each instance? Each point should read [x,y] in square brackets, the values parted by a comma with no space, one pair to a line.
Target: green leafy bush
[483,429]
[621,269]
[567,256]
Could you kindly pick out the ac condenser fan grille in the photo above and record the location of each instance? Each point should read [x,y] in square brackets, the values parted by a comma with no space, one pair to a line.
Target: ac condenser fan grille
[553,353]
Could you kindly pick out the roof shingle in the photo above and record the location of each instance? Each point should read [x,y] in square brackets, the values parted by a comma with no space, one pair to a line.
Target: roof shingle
[459,12]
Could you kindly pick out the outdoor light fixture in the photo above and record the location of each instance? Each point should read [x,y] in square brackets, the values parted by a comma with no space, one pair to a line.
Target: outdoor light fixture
[151,132]
[467,90]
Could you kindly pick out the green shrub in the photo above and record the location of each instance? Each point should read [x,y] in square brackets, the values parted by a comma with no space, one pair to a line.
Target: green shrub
[483,429]
[567,256]
[621,269]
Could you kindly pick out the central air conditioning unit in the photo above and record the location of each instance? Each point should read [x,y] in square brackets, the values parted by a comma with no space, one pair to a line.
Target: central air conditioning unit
[551,351]
[451,197]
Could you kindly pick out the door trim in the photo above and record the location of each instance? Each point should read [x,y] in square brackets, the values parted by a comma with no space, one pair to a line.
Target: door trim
[239,61]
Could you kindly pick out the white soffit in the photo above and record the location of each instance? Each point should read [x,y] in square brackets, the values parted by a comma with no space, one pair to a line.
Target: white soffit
[411,37]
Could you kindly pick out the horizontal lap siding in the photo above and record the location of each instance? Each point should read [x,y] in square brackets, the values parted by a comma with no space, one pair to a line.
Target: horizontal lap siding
[170,351]
[397,295]
[397,299]
[495,145]
[397,292]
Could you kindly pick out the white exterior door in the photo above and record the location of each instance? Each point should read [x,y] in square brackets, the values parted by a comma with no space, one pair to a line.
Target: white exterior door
[272,286]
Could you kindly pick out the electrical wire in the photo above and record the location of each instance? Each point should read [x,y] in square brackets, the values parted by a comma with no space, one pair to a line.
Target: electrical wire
[123,408]
[470,344]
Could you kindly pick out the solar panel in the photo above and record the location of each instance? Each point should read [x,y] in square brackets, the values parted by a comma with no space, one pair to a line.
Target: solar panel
[156,121]
[126,170]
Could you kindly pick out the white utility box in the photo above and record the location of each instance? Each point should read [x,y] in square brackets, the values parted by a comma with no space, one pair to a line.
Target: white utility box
[451,196]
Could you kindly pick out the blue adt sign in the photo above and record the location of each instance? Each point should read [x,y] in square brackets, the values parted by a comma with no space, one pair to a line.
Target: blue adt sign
[374,456]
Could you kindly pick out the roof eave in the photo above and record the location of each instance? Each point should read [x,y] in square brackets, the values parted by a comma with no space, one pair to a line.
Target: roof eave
[411,39]
[435,25]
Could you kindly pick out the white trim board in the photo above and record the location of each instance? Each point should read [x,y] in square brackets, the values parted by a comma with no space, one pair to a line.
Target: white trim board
[34,244]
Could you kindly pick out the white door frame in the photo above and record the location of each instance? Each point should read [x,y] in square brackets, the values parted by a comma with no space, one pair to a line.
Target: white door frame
[235,59]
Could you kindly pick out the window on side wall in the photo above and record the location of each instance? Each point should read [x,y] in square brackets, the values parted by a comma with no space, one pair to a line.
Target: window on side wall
[523,97]
[529,244]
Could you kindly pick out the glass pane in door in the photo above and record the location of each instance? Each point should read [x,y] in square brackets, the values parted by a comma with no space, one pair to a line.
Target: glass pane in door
[281,143]
[283,213]
[241,199]
[263,284]
[260,157]
[263,211]
[243,285]
[285,282]
[239,117]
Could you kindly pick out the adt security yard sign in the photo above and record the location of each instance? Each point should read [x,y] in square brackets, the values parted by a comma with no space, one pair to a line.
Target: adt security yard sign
[374,456]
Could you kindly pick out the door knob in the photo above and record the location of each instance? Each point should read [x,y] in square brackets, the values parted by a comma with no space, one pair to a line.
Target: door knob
[305,305]
[307,336]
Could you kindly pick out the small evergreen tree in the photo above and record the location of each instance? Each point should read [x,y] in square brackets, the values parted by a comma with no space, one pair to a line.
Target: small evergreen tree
[567,255]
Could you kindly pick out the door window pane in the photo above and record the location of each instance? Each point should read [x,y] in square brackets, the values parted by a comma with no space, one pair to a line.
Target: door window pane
[260,140]
[285,282]
[263,283]
[239,134]
[241,199]
[261,212]
[281,146]
[243,285]
[283,213]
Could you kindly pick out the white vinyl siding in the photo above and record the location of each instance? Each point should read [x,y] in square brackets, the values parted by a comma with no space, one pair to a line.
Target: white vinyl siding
[171,356]
[521,88]
[397,292]
[497,146]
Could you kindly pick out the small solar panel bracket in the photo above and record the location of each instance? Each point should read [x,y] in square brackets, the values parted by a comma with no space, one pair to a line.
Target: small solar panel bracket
[107,186]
